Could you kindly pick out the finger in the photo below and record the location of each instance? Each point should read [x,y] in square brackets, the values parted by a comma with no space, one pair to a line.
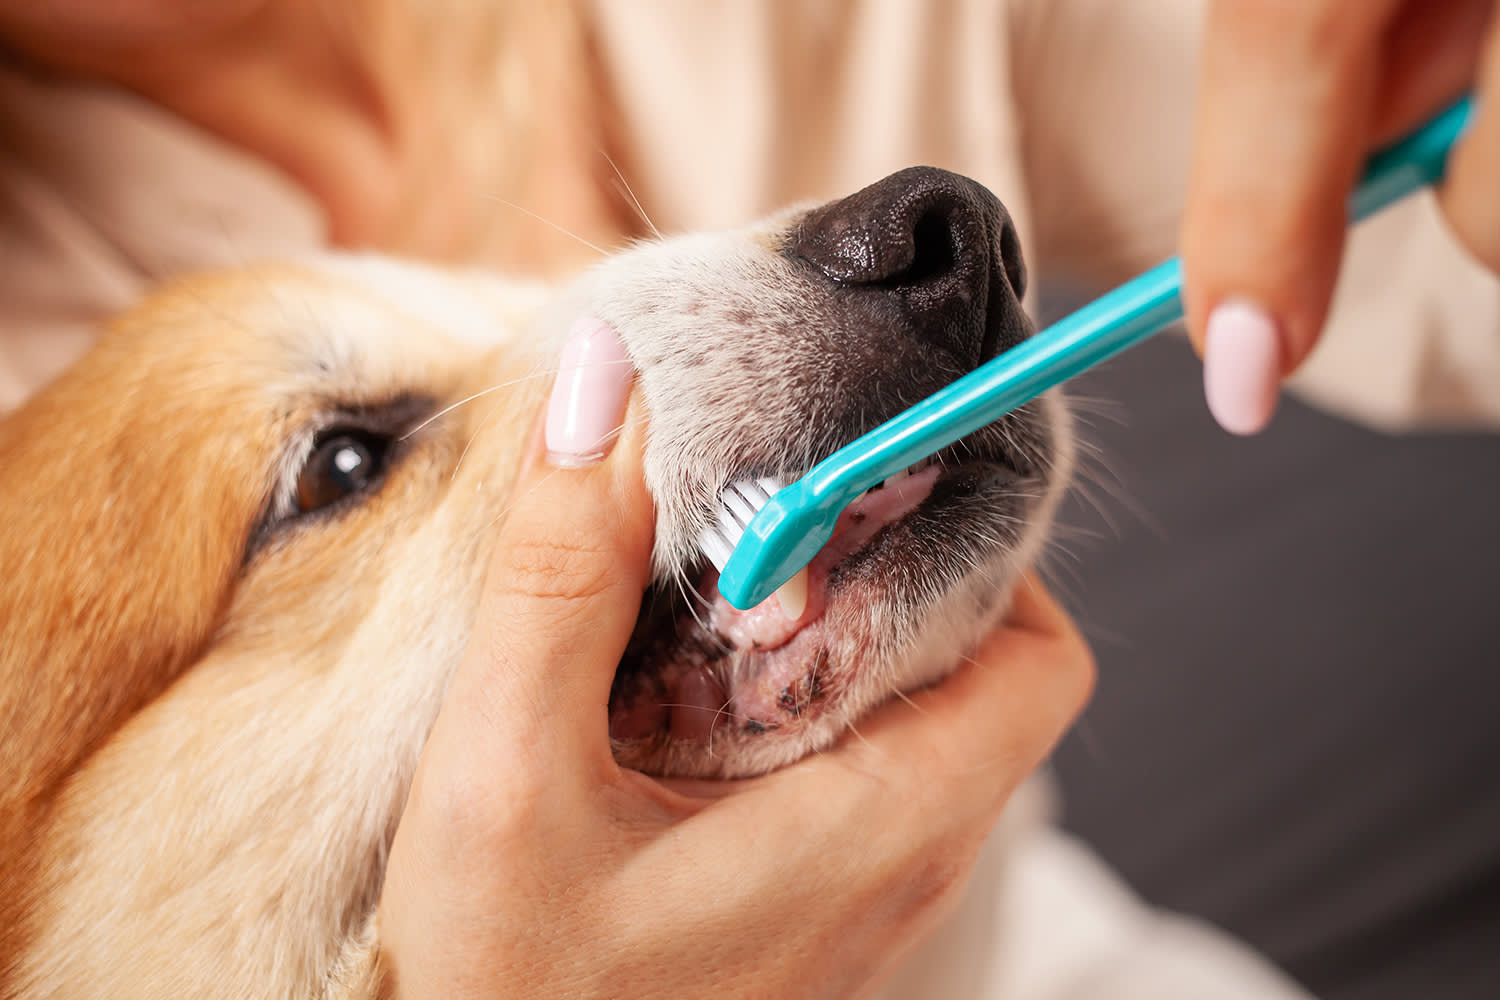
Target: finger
[1287,97]
[1468,196]
[1034,609]
[955,751]
[1432,54]
[976,735]
[564,586]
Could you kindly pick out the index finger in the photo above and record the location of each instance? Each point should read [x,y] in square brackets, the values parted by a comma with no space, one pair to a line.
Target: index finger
[883,829]
[954,752]
[1286,112]
[999,714]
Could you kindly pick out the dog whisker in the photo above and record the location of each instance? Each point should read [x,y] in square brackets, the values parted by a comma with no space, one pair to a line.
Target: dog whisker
[1094,471]
[517,499]
[479,395]
[692,599]
[853,730]
[536,373]
[722,712]
[625,184]
[910,701]
[469,444]
[548,222]
[719,714]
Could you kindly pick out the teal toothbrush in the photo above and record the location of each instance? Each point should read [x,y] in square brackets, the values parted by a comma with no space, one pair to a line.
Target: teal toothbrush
[766,534]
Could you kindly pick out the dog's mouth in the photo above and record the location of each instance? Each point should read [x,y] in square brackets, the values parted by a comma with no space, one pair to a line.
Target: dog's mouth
[873,302]
[700,675]
[802,599]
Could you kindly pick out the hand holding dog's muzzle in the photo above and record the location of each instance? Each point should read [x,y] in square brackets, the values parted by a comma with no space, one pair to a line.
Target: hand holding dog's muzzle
[529,864]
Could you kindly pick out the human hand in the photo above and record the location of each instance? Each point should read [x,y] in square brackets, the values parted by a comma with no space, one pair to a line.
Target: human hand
[529,864]
[1294,95]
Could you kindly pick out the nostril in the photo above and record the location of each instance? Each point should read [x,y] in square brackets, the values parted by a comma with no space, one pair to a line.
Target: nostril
[935,250]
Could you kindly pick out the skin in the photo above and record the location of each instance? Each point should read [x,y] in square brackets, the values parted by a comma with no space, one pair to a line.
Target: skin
[527,863]
[1294,94]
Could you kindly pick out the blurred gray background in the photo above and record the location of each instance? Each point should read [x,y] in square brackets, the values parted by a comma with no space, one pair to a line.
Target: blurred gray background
[1296,731]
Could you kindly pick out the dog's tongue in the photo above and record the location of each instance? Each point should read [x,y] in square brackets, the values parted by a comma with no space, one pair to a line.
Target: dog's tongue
[801,601]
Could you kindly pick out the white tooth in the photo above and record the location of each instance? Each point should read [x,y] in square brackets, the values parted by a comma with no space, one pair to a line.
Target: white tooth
[896,477]
[792,595]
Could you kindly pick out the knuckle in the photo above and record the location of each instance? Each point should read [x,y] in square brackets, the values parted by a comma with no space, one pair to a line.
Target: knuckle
[945,763]
[554,569]
[1314,27]
[935,885]
[1486,249]
[1481,242]
[468,807]
[1470,211]
[1080,673]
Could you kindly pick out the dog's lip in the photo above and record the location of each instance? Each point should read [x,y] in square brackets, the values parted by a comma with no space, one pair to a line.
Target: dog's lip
[772,674]
[768,626]
[785,672]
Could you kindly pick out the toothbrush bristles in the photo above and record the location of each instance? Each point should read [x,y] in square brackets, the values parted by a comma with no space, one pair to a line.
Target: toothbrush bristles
[739,503]
[742,500]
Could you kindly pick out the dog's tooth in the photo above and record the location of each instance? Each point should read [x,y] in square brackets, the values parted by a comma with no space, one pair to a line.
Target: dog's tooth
[792,595]
[896,477]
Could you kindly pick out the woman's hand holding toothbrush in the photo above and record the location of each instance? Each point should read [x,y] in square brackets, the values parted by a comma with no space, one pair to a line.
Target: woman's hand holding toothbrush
[1294,94]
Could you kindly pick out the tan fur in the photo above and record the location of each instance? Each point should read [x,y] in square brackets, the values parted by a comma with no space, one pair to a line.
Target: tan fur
[125,571]
[97,640]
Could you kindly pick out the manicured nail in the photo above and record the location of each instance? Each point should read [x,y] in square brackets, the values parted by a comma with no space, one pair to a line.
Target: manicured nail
[1241,366]
[589,396]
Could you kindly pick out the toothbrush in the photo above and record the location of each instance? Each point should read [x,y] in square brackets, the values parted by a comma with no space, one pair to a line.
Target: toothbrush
[767,533]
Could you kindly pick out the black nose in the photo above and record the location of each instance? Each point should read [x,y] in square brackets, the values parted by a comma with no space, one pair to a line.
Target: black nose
[937,248]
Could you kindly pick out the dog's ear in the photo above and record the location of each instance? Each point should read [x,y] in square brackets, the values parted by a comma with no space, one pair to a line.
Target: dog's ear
[123,516]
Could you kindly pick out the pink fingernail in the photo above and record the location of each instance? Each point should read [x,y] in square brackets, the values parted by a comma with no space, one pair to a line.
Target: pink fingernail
[1241,366]
[589,396]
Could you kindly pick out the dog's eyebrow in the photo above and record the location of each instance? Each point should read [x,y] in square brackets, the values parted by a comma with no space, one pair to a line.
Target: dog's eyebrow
[398,418]
[397,415]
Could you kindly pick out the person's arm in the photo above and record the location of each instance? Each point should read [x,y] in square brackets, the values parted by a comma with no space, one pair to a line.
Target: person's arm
[375,113]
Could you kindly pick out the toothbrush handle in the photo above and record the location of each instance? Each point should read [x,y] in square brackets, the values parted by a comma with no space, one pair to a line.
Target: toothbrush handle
[1098,331]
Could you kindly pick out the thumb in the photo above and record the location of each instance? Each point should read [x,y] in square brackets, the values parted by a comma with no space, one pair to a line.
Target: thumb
[570,565]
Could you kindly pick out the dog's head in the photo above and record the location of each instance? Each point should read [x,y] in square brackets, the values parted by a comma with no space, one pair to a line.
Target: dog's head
[244,541]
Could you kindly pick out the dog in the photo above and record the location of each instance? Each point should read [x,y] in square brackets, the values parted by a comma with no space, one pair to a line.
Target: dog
[244,541]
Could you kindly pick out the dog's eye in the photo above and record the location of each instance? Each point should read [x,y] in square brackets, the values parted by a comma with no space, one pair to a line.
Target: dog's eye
[342,463]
